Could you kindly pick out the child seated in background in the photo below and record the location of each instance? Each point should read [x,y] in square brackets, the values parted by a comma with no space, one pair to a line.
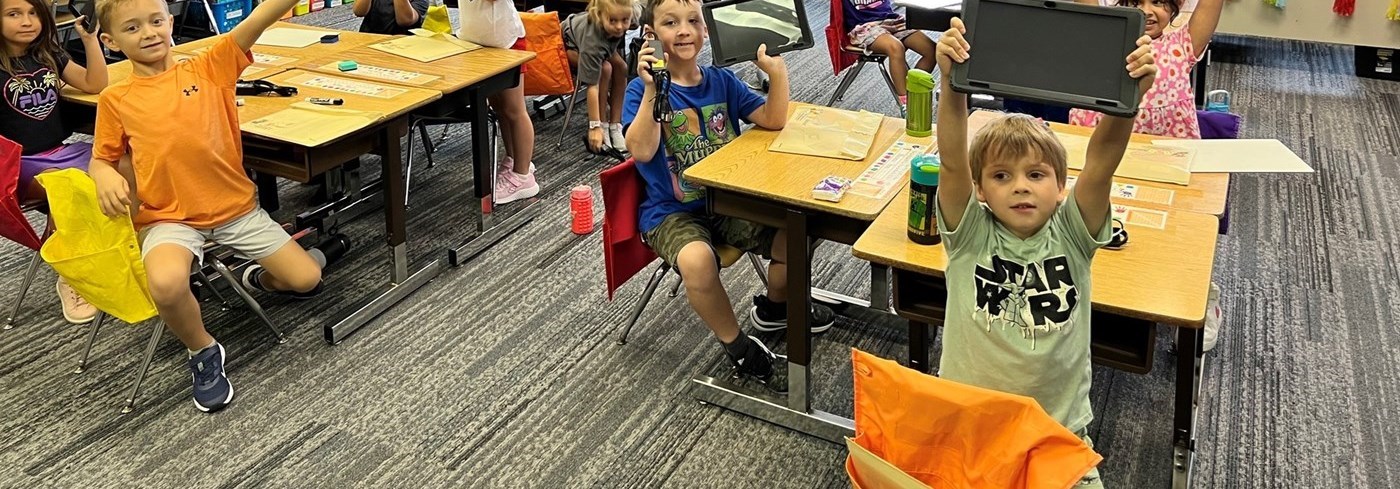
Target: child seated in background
[874,26]
[1018,271]
[1169,108]
[391,17]
[593,40]
[33,68]
[192,187]
[706,105]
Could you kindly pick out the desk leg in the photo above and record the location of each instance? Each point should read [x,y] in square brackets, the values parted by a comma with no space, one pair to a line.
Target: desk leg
[879,287]
[267,191]
[401,283]
[798,413]
[484,171]
[799,307]
[918,345]
[1189,367]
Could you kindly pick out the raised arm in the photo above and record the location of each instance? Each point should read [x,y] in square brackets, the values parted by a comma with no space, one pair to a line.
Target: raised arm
[773,113]
[361,7]
[955,181]
[262,17]
[1106,146]
[1203,23]
[405,14]
[644,134]
[93,78]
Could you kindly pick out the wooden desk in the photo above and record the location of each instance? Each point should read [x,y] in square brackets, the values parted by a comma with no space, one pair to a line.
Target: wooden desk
[1204,194]
[1162,275]
[466,81]
[744,180]
[271,156]
[348,40]
[121,70]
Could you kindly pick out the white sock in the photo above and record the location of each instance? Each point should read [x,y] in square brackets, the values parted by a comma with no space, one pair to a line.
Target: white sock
[192,353]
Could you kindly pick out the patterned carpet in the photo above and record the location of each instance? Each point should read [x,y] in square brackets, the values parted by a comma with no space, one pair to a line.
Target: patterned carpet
[504,372]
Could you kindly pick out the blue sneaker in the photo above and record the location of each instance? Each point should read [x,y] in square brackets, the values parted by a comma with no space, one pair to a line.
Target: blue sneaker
[212,390]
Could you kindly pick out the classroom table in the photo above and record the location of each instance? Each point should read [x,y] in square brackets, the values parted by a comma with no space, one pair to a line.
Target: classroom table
[348,40]
[466,80]
[272,156]
[745,180]
[1161,276]
[1205,193]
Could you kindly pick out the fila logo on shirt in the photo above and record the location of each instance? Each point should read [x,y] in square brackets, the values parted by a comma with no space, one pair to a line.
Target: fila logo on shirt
[193,89]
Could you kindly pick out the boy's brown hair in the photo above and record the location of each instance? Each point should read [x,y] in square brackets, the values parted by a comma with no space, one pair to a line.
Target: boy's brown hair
[649,12]
[597,9]
[105,9]
[1016,136]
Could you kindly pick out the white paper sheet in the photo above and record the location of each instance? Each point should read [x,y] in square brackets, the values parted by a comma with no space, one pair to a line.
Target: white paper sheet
[291,38]
[1240,156]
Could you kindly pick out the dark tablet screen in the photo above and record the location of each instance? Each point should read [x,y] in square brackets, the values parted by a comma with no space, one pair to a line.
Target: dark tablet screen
[1055,50]
[738,28]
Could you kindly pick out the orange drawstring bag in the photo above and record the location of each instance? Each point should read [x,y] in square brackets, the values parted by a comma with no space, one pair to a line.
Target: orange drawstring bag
[915,430]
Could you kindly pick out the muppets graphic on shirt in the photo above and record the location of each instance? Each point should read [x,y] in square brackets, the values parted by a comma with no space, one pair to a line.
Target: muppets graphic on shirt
[690,137]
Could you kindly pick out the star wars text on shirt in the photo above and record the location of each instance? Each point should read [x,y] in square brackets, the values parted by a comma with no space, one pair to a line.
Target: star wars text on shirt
[1036,298]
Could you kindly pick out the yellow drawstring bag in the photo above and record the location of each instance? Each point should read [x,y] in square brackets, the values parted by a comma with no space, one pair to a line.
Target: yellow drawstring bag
[436,19]
[97,255]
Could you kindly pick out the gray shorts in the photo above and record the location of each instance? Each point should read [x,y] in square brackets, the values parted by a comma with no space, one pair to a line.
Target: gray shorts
[254,235]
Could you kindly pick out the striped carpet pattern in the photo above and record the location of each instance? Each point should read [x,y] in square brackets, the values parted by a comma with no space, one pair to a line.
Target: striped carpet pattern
[505,373]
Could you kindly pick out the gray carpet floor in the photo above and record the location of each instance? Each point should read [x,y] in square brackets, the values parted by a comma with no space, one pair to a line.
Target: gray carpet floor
[504,372]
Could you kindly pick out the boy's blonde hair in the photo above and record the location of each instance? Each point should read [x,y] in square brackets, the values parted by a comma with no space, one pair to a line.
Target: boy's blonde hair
[1016,136]
[597,9]
[105,9]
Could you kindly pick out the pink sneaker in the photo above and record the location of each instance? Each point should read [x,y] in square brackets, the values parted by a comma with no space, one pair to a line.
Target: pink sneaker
[75,309]
[507,164]
[512,186]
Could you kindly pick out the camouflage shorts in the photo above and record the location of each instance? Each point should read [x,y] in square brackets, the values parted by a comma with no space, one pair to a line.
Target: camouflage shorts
[683,228]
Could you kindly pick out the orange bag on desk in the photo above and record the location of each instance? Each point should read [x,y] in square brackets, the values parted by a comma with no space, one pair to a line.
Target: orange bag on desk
[915,430]
[548,73]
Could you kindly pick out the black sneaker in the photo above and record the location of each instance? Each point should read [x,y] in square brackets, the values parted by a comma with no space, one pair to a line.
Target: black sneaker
[756,362]
[212,390]
[252,279]
[771,316]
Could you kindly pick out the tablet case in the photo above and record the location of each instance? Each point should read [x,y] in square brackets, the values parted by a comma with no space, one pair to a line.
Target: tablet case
[1051,51]
[738,27]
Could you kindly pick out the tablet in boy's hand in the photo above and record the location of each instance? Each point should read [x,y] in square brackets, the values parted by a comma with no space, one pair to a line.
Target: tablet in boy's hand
[739,27]
[1057,52]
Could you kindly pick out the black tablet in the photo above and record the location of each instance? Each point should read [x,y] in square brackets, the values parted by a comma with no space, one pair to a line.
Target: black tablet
[738,27]
[1056,52]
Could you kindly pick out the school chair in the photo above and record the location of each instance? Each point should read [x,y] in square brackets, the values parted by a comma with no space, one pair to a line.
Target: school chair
[624,252]
[13,223]
[843,55]
[418,124]
[30,271]
[213,261]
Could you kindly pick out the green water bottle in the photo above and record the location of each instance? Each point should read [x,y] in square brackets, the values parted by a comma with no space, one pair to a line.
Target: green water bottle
[918,120]
[923,191]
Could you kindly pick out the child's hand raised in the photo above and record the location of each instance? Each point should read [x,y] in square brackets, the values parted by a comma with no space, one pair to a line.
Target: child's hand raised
[83,33]
[771,65]
[1142,66]
[952,47]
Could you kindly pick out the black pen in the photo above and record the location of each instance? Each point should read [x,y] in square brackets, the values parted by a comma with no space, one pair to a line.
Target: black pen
[325,101]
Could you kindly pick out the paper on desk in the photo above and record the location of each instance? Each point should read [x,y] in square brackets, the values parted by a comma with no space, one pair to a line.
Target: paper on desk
[1240,156]
[397,76]
[1142,161]
[425,46]
[310,125]
[291,38]
[828,132]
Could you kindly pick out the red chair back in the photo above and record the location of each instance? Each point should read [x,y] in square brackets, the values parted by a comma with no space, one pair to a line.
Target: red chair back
[13,224]
[624,253]
[836,40]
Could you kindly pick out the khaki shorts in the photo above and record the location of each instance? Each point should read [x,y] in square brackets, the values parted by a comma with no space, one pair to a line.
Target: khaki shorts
[682,228]
[254,235]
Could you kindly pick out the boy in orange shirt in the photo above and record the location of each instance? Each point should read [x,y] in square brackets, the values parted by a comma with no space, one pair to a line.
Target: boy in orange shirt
[179,122]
